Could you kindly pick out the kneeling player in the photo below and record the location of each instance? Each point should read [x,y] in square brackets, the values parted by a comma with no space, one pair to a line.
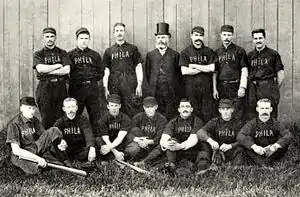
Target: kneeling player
[146,133]
[30,142]
[222,131]
[113,127]
[77,132]
[265,138]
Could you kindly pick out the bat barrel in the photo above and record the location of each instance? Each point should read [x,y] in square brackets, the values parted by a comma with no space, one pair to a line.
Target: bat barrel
[71,170]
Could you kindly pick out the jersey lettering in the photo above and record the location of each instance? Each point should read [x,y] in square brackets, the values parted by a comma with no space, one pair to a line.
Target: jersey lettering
[52,59]
[259,62]
[264,133]
[120,55]
[226,56]
[72,131]
[83,60]
[29,131]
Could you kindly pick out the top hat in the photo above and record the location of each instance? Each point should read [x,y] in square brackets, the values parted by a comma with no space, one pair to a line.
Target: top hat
[162,29]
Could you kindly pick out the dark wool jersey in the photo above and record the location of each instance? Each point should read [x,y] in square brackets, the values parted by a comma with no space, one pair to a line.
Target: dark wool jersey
[110,125]
[264,134]
[230,62]
[24,132]
[150,127]
[122,58]
[202,56]
[221,131]
[163,67]
[86,65]
[264,64]
[77,132]
[181,129]
[50,57]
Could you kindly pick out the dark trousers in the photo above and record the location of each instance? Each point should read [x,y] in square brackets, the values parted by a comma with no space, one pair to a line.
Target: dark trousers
[50,96]
[77,154]
[235,156]
[87,95]
[262,89]
[230,91]
[46,147]
[166,100]
[110,155]
[135,152]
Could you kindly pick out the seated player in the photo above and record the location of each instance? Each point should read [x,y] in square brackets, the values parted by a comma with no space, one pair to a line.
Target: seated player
[30,143]
[113,127]
[77,132]
[145,133]
[180,141]
[221,132]
[265,139]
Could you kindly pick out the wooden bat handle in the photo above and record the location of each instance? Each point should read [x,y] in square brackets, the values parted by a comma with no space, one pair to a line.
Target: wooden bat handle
[67,169]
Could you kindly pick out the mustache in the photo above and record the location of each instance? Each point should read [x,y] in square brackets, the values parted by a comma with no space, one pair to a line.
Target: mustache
[198,40]
[258,43]
[265,114]
[185,111]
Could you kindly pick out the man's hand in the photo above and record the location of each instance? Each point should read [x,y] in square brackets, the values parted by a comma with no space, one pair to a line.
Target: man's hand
[271,149]
[42,162]
[119,155]
[258,149]
[214,145]
[215,94]
[174,145]
[63,145]
[241,92]
[225,147]
[105,149]
[92,154]
[139,91]
[144,142]
[106,92]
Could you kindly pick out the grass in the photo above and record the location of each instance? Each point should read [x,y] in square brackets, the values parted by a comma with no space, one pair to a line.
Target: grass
[282,180]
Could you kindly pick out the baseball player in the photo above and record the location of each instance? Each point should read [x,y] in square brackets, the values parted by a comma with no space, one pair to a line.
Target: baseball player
[230,79]
[145,133]
[180,141]
[220,132]
[197,65]
[86,72]
[265,139]
[52,66]
[113,127]
[77,132]
[163,73]
[124,72]
[266,74]
[28,139]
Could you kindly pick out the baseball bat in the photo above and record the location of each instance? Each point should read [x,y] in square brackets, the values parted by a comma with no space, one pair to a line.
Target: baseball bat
[135,168]
[60,167]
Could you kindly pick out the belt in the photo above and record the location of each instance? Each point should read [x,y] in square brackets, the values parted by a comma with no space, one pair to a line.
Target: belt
[263,81]
[231,81]
[86,82]
[54,80]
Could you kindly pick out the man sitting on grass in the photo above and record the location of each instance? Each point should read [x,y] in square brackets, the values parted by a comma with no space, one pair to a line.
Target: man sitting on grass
[113,127]
[145,134]
[30,143]
[222,131]
[179,139]
[78,134]
[265,138]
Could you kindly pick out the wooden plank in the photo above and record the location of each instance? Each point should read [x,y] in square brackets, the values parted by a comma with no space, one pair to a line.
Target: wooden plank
[200,15]
[216,12]
[170,17]
[115,16]
[258,14]
[11,57]
[2,67]
[285,50]
[184,24]
[127,18]
[230,17]
[26,43]
[87,15]
[54,17]
[155,15]
[271,22]
[140,26]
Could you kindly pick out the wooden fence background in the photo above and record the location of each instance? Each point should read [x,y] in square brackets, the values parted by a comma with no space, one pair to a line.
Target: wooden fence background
[21,23]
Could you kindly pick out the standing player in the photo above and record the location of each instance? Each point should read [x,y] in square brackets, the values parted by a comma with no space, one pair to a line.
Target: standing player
[113,127]
[145,133]
[162,72]
[197,65]
[123,72]
[266,74]
[265,139]
[230,80]
[52,66]
[28,139]
[86,72]
[77,132]
[222,131]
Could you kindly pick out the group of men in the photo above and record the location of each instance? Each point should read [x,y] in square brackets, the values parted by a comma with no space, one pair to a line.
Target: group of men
[142,123]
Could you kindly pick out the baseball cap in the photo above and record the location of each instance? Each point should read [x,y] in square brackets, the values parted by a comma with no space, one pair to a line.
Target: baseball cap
[27,100]
[82,30]
[198,29]
[225,103]
[149,101]
[49,30]
[114,98]
[227,28]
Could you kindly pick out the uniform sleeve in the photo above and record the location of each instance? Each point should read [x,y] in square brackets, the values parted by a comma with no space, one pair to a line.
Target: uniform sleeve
[217,64]
[66,58]
[126,123]
[169,128]
[137,57]
[100,67]
[87,131]
[244,137]
[102,127]
[134,131]
[212,57]
[59,124]
[238,126]
[39,128]
[198,124]
[161,125]
[147,67]
[106,59]
[13,135]
[205,132]
[37,59]
[285,135]
[278,63]
[244,59]
[183,60]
